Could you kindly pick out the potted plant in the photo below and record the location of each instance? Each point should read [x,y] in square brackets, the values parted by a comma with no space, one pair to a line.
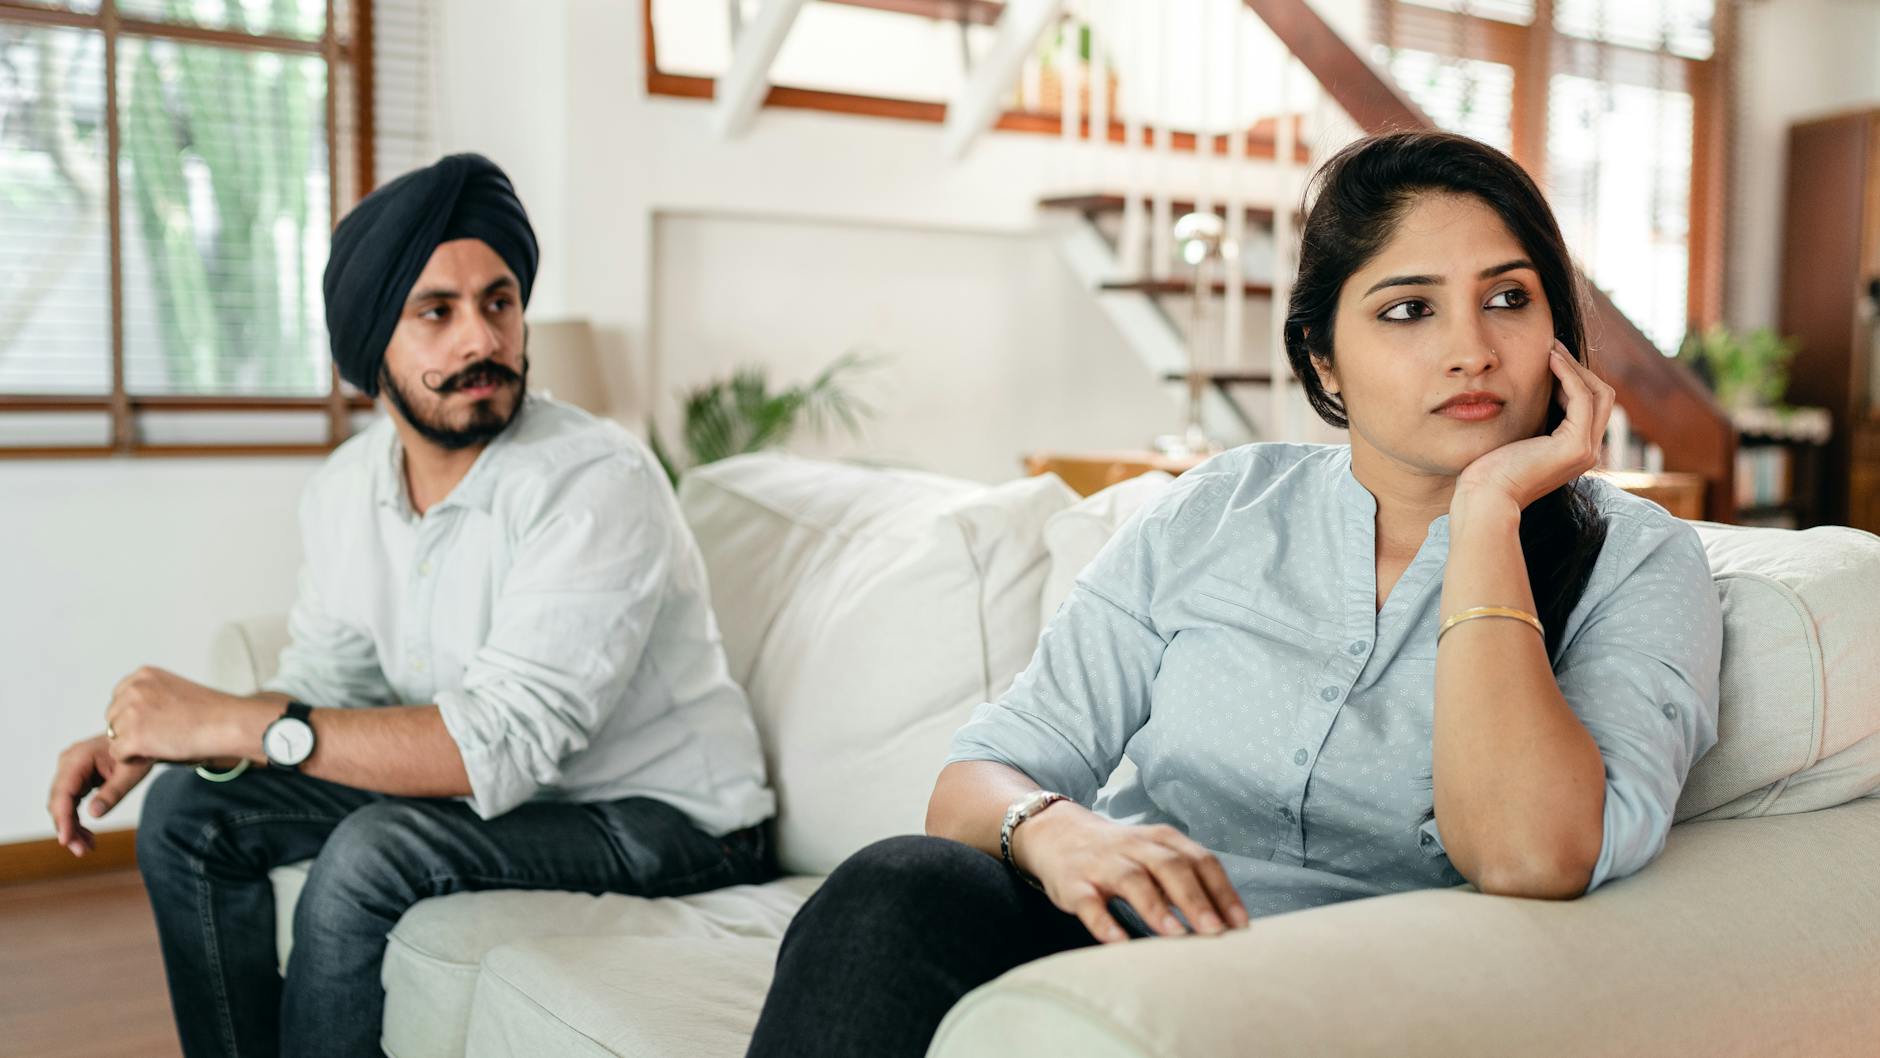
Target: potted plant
[1744,370]
[738,414]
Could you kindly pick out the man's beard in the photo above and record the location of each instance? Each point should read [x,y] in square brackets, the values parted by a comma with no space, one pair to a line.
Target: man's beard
[484,423]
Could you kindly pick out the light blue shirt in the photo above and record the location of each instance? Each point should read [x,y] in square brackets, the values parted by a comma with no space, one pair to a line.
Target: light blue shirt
[1227,640]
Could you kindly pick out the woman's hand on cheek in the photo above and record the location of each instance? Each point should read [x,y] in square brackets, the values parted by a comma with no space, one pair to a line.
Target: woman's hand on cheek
[1530,468]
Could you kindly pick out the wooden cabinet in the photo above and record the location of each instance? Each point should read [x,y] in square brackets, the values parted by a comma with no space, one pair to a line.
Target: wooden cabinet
[1830,294]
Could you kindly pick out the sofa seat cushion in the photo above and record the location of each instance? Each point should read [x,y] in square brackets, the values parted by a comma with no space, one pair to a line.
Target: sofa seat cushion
[434,955]
[867,613]
[637,998]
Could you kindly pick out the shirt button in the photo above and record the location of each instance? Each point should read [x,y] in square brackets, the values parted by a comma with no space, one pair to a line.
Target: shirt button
[1670,713]
[1328,693]
[1357,646]
[424,570]
[418,665]
[1286,814]
[1426,840]
[1299,757]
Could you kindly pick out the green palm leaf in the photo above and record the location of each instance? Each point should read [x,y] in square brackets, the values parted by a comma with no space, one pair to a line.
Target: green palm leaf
[740,414]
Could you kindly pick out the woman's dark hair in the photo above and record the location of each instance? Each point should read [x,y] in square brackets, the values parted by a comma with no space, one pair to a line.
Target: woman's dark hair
[1358,198]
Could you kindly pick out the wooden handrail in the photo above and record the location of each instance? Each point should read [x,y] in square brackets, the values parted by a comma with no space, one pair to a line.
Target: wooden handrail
[1665,402]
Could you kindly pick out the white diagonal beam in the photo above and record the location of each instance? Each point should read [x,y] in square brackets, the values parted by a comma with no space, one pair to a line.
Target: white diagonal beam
[742,88]
[973,110]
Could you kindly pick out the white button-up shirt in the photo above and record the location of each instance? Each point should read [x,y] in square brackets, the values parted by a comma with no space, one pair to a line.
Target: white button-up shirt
[554,606]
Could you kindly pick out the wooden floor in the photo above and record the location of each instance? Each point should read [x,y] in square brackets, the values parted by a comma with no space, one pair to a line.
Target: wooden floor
[80,974]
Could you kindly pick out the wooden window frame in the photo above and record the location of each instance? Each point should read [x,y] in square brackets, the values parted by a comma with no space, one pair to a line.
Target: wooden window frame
[345,55]
[1527,51]
[1262,138]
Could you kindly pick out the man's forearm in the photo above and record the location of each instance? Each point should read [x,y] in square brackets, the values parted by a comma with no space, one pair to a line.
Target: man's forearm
[1520,784]
[403,750]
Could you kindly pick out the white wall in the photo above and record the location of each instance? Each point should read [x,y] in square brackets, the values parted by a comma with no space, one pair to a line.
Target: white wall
[628,158]
[987,341]
[1801,59]
[112,564]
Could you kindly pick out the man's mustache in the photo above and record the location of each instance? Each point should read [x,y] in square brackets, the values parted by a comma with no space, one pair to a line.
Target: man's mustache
[479,373]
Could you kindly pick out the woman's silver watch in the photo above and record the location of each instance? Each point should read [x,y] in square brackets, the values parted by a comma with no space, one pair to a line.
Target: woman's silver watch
[1022,809]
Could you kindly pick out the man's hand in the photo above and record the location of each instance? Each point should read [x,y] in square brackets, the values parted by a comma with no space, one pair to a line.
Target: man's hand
[159,716]
[1083,860]
[83,767]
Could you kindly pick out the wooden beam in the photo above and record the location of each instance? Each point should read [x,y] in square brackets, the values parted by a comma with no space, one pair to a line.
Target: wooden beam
[978,104]
[1533,83]
[741,90]
[363,44]
[1372,101]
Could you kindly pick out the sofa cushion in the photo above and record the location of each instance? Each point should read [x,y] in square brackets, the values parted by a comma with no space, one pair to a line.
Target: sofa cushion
[1800,724]
[1073,536]
[435,953]
[641,998]
[764,522]
[1746,938]
[866,613]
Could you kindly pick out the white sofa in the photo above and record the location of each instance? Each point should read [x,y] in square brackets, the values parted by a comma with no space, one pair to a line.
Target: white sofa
[868,611]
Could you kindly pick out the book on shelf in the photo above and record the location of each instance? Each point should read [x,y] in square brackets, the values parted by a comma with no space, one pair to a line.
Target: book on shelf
[1763,476]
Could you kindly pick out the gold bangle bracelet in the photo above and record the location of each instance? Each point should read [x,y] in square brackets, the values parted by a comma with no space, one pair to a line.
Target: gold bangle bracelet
[1489,611]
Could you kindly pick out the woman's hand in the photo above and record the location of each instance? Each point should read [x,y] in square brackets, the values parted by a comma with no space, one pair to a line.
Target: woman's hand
[1083,860]
[1526,470]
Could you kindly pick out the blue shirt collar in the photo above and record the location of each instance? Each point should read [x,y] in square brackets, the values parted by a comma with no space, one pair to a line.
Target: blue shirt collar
[1359,498]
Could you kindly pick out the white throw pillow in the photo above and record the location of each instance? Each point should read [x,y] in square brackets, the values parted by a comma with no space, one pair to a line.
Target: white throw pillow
[866,612]
[1075,536]
[1799,727]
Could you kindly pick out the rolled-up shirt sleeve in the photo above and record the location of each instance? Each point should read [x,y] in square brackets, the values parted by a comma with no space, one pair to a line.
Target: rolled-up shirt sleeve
[569,626]
[1068,716]
[1643,675]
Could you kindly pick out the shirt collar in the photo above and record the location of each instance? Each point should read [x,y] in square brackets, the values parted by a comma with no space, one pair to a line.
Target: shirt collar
[1360,500]
[473,491]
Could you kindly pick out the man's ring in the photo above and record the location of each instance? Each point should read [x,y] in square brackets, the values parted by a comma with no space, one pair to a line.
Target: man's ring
[110,733]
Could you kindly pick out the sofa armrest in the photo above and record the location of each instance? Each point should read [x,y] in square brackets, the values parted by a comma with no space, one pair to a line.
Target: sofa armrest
[1745,937]
[245,654]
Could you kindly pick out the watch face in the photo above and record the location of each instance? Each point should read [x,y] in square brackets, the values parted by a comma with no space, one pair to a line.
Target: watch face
[288,741]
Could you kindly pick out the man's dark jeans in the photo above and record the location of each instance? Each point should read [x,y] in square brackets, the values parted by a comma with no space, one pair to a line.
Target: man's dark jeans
[205,850]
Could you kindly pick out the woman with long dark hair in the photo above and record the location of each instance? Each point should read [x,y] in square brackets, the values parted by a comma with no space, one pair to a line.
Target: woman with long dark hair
[1437,654]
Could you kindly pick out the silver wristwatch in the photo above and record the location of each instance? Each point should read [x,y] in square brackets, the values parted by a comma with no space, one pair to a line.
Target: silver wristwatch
[1022,809]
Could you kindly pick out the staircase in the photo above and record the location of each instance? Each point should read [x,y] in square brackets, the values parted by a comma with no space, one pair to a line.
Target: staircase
[1124,181]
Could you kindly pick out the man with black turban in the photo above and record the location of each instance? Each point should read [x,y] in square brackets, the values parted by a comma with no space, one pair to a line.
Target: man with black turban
[502,668]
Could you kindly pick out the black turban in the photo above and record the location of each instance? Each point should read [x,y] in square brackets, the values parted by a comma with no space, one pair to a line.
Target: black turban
[380,248]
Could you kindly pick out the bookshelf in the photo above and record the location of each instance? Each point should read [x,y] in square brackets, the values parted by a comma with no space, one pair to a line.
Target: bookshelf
[1779,460]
